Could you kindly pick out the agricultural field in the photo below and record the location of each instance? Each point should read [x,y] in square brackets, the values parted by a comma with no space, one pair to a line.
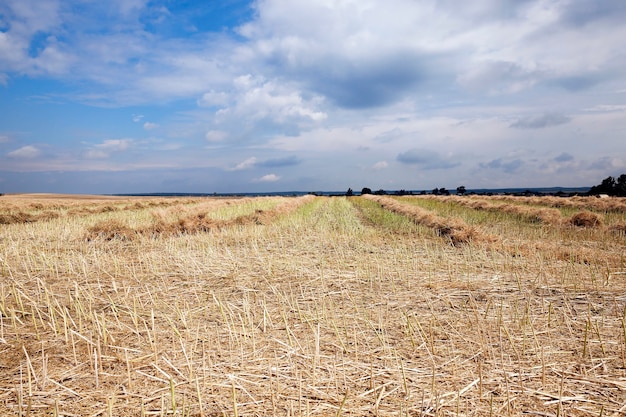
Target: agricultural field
[312,306]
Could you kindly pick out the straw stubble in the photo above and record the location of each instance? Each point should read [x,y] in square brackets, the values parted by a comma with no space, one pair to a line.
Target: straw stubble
[303,309]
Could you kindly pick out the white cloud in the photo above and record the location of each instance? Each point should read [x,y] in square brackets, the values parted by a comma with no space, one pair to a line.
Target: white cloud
[498,77]
[259,103]
[114,145]
[607,108]
[268,178]
[216,135]
[416,85]
[4,138]
[213,98]
[25,152]
[107,148]
[247,164]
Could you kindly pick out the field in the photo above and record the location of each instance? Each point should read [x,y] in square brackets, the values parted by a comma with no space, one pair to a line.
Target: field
[312,306]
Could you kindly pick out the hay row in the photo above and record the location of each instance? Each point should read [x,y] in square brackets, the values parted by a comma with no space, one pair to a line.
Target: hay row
[459,232]
[455,229]
[607,205]
[36,212]
[190,223]
[550,216]
[534,215]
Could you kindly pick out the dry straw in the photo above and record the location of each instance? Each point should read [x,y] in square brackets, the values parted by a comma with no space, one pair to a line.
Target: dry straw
[311,313]
[453,228]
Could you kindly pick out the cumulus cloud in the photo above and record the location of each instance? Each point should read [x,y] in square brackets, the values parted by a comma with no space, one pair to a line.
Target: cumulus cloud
[25,152]
[397,79]
[268,178]
[426,159]
[358,55]
[256,101]
[540,122]
[150,126]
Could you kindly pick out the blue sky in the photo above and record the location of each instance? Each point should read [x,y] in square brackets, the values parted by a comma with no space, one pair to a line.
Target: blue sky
[131,96]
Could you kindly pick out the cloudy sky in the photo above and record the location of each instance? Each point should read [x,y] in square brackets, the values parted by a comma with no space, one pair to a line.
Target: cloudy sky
[127,96]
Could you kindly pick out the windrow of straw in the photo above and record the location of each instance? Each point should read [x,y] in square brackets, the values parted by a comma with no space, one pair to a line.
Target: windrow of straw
[550,216]
[190,223]
[607,205]
[535,215]
[619,228]
[453,228]
[586,218]
[23,217]
[17,212]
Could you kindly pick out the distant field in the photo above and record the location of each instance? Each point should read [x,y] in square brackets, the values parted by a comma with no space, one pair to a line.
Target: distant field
[312,306]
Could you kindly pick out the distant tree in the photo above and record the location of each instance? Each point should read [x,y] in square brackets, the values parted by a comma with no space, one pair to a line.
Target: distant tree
[608,186]
[349,193]
[461,190]
[443,191]
[620,187]
[366,191]
[435,191]
[380,192]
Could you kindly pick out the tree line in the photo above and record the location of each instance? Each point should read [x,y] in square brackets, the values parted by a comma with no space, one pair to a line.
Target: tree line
[611,186]
[437,191]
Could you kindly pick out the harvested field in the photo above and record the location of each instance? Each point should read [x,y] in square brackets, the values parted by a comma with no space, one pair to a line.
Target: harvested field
[30,208]
[310,306]
[606,205]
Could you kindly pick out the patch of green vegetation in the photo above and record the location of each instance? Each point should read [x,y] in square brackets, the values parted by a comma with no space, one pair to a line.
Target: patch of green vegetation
[373,214]
[446,208]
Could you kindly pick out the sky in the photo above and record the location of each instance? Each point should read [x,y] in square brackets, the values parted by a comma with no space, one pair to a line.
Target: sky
[137,96]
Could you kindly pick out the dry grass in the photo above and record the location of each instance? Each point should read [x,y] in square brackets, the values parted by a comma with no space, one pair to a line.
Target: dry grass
[586,219]
[192,221]
[307,309]
[533,214]
[453,228]
[606,205]
[30,208]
